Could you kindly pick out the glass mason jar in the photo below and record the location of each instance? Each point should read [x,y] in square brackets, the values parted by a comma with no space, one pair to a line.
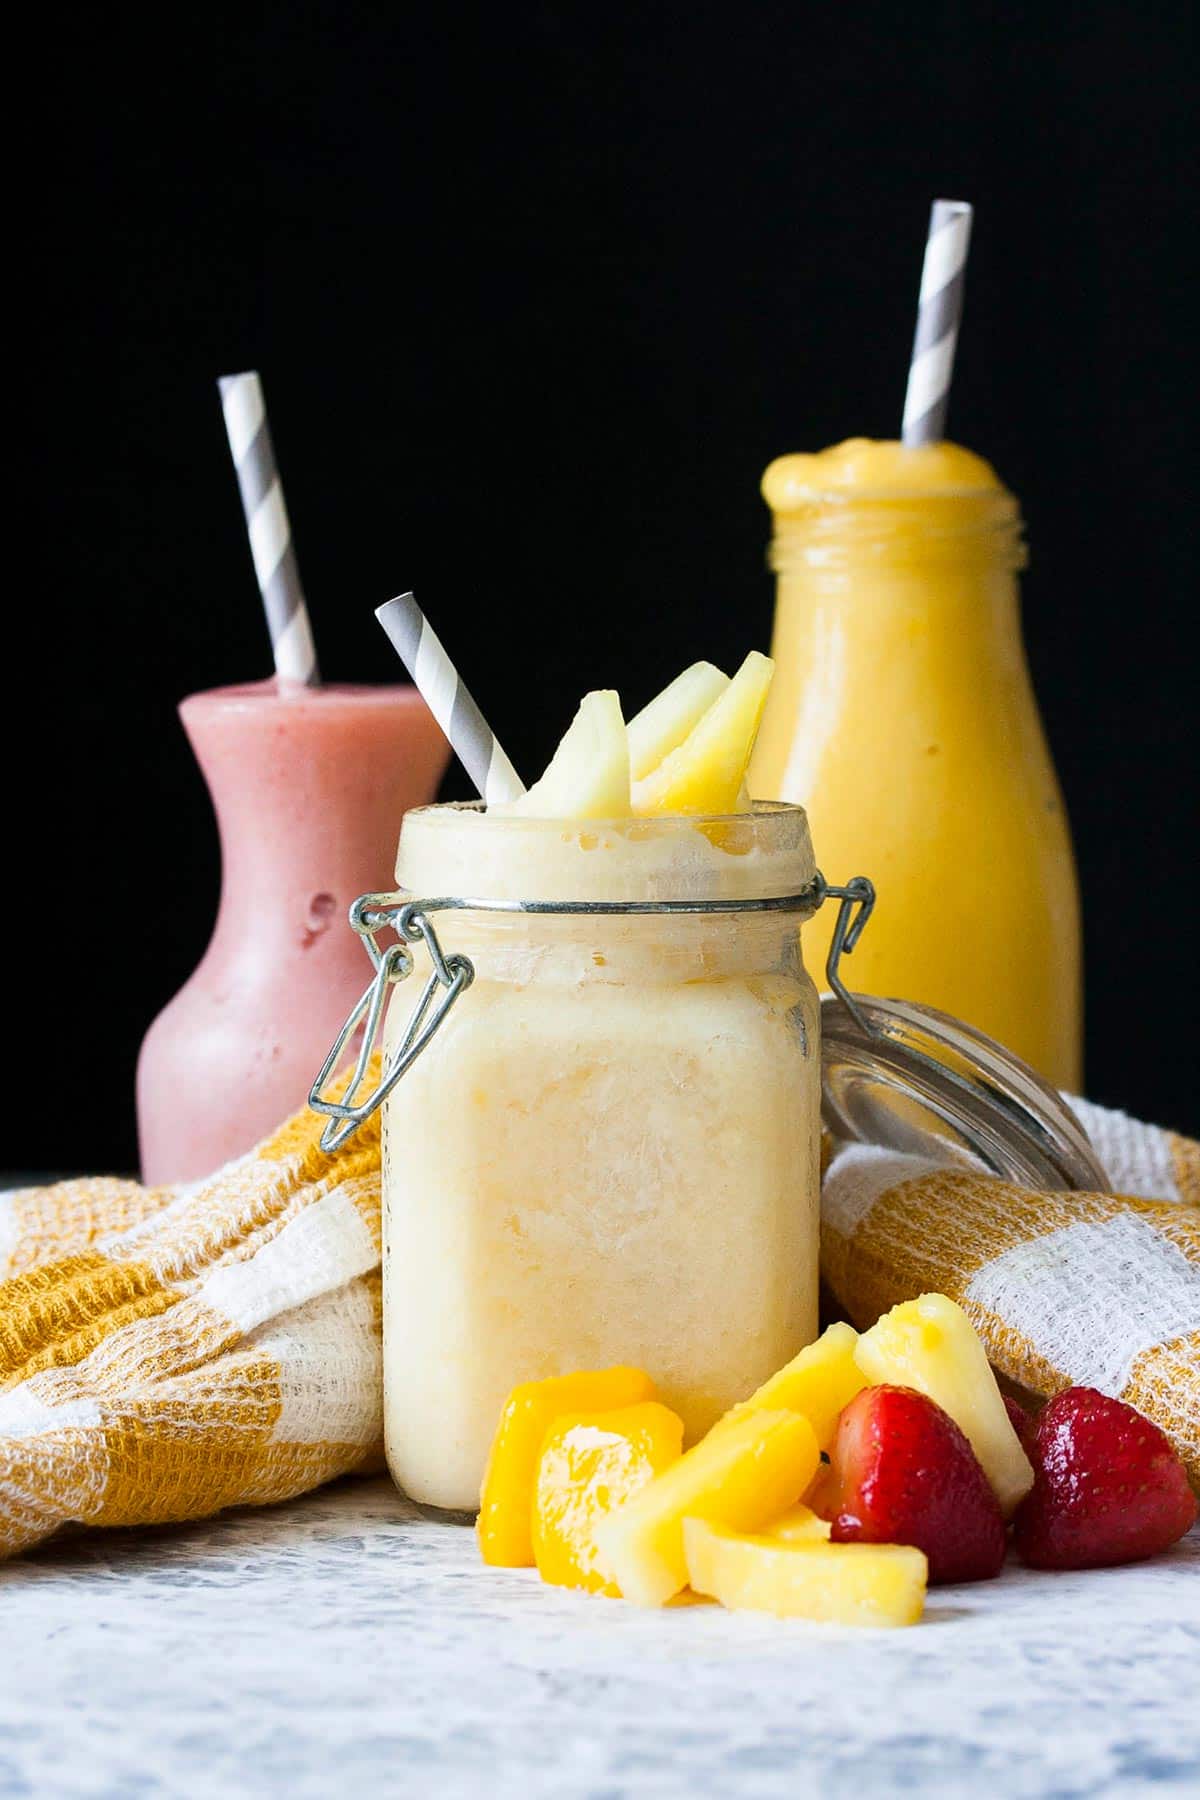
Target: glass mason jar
[903,717]
[610,1153]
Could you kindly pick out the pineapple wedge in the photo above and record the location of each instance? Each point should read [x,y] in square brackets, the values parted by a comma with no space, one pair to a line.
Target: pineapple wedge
[588,775]
[931,1345]
[744,1474]
[840,1584]
[662,726]
[799,1525]
[706,772]
[818,1382]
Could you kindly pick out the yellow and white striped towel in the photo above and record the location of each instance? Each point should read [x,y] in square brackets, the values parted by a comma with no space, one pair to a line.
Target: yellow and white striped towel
[1097,1289]
[167,1352]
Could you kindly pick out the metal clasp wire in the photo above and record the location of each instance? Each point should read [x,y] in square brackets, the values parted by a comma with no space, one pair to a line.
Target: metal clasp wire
[452,975]
[372,913]
[847,930]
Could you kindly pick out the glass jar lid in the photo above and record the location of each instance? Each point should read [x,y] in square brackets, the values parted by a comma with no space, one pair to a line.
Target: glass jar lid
[917,1081]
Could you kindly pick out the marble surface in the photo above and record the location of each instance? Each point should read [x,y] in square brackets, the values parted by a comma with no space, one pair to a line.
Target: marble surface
[344,1643]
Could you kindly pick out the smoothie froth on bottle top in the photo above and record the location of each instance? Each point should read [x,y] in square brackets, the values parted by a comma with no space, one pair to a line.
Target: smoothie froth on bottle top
[868,466]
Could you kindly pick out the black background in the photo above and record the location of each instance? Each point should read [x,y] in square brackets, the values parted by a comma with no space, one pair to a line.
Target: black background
[536,293]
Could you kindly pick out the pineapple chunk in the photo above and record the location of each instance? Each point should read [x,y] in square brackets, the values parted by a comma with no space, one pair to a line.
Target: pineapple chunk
[744,1475]
[506,1501]
[800,1525]
[662,726]
[705,773]
[818,1382]
[841,1584]
[931,1345]
[590,1464]
[588,775]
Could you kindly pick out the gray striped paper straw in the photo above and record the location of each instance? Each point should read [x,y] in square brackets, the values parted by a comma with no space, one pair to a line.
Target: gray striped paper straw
[440,686]
[939,312]
[270,532]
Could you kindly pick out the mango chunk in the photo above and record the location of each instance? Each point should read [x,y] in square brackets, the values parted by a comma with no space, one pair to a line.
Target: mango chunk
[588,775]
[590,1464]
[504,1526]
[799,1525]
[662,726]
[706,772]
[818,1382]
[744,1474]
[842,1584]
[931,1345]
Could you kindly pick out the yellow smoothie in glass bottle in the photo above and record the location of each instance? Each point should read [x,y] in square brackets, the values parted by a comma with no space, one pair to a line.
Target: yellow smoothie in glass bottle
[903,718]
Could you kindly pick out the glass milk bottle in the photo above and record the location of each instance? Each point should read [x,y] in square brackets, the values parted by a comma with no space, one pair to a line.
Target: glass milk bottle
[902,716]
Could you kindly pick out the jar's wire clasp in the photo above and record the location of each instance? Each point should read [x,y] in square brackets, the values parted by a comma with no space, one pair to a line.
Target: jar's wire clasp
[449,976]
[848,928]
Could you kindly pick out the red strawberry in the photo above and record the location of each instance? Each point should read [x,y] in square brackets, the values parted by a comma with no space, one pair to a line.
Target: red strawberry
[1020,1421]
[1109,1488]
[906,1474]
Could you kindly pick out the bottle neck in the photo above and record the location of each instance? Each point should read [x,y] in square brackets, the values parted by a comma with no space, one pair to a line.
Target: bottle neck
[308,792]
[935,536]
[939,570]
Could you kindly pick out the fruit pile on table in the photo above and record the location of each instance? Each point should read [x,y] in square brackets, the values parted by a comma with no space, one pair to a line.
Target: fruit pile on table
[868,1468]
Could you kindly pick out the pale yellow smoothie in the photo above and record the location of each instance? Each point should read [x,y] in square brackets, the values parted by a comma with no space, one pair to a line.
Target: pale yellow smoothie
[609,1151]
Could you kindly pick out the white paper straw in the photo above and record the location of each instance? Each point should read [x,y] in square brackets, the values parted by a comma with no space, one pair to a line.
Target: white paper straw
[440,685]
[267,524]
[939,312]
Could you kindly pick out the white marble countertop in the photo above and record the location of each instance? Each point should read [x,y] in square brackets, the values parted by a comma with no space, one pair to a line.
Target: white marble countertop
[345,1644]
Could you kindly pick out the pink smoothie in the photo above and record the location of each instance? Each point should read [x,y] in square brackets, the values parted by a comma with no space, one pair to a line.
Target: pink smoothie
[309,787]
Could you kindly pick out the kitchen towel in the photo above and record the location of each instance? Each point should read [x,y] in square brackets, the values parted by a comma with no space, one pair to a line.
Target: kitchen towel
[165,1353]
[1099,1290]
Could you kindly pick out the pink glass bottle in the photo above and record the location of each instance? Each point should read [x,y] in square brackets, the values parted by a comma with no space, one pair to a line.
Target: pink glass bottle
[309,787]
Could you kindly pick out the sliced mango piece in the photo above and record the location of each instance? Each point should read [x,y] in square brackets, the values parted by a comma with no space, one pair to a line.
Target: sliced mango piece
[506,1501]
[842,1584]
[799,1525]
[818,1382]
[588,775]
[744,1475]
[931,1345]
[590,1464]
[706,772]
[662,726]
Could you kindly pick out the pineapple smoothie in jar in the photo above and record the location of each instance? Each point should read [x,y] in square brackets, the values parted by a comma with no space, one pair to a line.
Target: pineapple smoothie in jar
[601,1097]
[610,1155]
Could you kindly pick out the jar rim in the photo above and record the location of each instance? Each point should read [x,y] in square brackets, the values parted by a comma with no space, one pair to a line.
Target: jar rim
[463,849]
